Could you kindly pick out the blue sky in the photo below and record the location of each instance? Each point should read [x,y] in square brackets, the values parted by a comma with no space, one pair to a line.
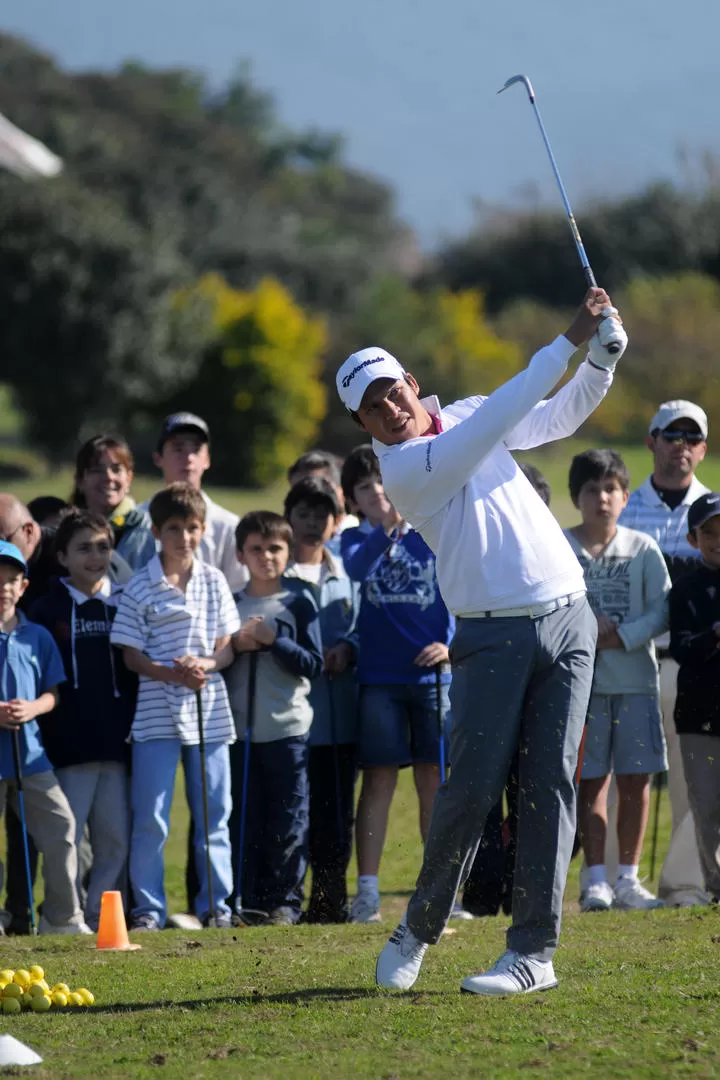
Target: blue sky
[626,88]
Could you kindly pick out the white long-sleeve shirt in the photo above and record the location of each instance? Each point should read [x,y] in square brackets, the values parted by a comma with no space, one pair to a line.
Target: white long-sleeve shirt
[496,542]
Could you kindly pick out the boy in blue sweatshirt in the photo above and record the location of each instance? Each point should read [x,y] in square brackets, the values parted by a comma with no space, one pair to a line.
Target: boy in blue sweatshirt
[279,652]
[85,736]
[404,631]
[30,672]
[313,509]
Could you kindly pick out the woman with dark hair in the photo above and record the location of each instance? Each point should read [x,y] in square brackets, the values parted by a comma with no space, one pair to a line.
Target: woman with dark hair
[103,475]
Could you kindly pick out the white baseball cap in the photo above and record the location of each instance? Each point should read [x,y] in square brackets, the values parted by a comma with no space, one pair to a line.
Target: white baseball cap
[363,368]
[670,411]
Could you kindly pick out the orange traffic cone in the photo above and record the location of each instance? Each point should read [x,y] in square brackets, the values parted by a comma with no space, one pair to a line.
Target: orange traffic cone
[112,931]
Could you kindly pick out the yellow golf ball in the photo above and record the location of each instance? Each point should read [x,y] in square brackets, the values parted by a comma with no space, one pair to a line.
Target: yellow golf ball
[87,997]
[12,990]
[11,1005]
[35,990]
[22,978]
[37,973]
[59,999]
[43,983]
[7,975]
[62,988]
[40,1004]
[75,999]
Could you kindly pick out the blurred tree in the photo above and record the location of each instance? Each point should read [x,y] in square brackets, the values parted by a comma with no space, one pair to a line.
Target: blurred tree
[530,254]
[259,385]
[89,333]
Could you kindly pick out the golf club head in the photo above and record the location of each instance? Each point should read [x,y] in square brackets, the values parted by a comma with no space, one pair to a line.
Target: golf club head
[520,79]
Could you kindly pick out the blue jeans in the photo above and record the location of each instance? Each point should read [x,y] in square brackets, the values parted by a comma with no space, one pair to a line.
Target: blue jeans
[399,724]
[154,765]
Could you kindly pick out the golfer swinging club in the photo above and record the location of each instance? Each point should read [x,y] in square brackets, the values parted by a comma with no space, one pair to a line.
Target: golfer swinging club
[523,652]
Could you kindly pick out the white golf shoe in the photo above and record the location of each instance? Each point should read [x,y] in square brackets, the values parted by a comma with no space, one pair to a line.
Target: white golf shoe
[630,895]
[398,965]
[597,897]
[513,973]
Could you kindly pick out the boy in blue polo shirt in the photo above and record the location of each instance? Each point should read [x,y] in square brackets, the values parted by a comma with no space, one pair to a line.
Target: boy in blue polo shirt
[404,631]
[30,671]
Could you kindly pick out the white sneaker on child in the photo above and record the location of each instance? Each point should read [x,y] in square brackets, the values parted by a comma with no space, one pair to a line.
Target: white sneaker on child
[630,895]
[597,897]
[44,927]
[459,912]
[398,965]
[365,908]
[513,973]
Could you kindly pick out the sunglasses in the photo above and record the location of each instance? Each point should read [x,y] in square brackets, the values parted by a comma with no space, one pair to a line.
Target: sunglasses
[675,436]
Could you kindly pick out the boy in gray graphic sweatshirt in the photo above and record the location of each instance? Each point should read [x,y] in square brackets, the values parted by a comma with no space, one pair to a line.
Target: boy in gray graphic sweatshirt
[628,587]
[280,636]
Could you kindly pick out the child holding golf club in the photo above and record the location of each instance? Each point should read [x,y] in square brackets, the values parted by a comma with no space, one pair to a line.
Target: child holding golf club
[404,631]
[85,736]
[30,672]
[627,587]
[279,652]
[695,644]
[174,623]
[313,509]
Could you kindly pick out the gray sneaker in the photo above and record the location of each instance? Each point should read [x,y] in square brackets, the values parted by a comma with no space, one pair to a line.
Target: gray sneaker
[144,922]
[365,908]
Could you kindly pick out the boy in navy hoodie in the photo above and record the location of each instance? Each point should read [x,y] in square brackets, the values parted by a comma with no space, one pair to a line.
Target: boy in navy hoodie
[85,737]
[404,631]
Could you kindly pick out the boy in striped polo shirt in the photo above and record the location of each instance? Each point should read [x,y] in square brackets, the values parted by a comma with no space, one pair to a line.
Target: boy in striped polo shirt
[174,624]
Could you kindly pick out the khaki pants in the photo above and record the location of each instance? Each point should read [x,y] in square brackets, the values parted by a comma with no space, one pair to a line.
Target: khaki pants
[681,881]
[701,758]
[52,826]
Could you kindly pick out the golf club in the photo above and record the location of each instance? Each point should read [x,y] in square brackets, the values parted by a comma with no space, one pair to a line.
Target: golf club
[23,826]
[246,916]
[609,338]
[206,812]
[659,784]
[439,713]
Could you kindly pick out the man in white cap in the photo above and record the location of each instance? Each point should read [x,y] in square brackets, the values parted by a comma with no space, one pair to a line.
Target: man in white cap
[677,439]
[524,647]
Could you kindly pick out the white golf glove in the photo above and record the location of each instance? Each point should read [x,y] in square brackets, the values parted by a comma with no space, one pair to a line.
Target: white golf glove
[611,333]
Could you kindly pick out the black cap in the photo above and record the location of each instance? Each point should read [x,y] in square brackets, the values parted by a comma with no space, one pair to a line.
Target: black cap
[703,509]
[182,421]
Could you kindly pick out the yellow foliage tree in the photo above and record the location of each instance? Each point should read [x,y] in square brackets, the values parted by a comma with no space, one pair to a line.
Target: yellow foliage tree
[259,386]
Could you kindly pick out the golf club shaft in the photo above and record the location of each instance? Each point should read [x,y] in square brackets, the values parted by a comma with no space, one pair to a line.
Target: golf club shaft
[252,678]
[206,812]
[440,730]
[582,255]
[23,825]
[612,343]
[656,824]
[336,763]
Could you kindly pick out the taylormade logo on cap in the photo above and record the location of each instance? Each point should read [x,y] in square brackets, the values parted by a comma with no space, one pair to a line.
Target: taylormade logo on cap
[361,370]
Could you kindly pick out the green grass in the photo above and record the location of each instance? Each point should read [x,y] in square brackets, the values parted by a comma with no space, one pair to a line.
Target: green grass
[638,996]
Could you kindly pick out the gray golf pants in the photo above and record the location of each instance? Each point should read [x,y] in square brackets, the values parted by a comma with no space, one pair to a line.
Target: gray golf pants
[516,682]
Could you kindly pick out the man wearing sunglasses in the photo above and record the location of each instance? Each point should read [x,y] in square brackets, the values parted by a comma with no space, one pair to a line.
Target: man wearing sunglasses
[659,507]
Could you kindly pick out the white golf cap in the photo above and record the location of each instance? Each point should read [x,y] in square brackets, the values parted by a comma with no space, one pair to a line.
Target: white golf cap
[670,411]
[363,368]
